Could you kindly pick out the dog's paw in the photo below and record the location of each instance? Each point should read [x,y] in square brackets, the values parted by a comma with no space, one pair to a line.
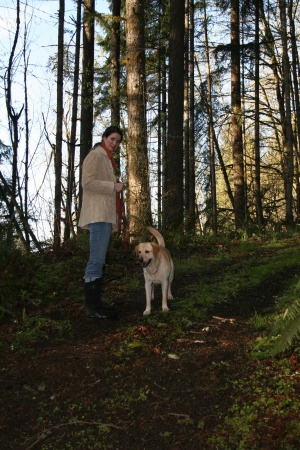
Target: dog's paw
[146,312]
[165,309]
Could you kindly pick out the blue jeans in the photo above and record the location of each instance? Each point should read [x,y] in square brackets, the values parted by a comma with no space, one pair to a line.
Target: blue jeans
[100,233]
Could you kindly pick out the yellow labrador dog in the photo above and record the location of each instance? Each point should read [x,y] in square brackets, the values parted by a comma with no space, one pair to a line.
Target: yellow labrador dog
[158,269]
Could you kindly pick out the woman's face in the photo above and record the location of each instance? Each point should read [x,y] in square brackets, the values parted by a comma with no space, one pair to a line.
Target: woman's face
[112,142]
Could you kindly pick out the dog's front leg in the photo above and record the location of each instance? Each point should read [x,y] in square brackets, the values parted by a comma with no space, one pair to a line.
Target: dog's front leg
[165,289]
[148,288]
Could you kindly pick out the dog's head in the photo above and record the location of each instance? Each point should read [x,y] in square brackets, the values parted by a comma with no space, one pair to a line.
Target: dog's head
[146,252]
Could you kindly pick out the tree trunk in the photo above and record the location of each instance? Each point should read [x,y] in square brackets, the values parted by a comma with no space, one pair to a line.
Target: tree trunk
[139,199]
[237,142]
[59,126]
[87,84]
[295,70]
[191,213]
[115,63]
[257,189]
[211,133]
[26,162]
[161,133]
[269,40]
[173,200]
[289,159]
[71,191]
[186,115]
[13,118]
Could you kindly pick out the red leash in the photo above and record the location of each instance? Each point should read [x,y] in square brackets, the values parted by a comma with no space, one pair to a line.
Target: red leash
[121,217]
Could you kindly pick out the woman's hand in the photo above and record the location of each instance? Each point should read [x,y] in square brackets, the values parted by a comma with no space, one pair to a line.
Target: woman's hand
[119,187]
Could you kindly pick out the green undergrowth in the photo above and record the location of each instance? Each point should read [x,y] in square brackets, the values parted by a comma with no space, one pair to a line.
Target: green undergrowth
[223,278]
[209,274]
[281,328]
[265,399]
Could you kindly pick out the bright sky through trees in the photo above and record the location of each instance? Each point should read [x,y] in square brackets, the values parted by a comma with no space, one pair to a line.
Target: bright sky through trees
[38,29]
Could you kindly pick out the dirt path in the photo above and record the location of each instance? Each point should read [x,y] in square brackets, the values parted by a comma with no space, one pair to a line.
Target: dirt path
[130,384]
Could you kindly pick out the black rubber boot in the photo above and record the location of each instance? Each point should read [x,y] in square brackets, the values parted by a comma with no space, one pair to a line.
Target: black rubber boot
[93,310]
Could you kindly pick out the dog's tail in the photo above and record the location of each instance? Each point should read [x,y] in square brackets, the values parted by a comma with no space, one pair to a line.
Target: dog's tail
[158,236]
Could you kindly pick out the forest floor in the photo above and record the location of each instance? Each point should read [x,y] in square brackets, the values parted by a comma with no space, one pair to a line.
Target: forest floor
[140,383]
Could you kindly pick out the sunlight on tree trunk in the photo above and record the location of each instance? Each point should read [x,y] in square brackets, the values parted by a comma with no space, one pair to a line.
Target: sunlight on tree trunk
[289,161]
[237,143]
[139,203]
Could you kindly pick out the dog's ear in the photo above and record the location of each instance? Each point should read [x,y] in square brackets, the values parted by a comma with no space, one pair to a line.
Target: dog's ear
[136,250]
[155,248]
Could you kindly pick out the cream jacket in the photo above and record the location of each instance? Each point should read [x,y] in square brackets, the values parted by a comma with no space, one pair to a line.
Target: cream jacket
[99,197]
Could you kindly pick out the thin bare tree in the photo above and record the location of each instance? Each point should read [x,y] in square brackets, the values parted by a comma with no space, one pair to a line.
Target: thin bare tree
[71,193]
[13,119]
[212,158]
[59,126]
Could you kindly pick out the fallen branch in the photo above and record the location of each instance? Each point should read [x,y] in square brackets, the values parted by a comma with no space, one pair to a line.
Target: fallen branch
[223,319]
[45,434]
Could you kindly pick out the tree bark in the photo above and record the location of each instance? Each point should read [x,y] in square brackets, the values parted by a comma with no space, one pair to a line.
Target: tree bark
[13,118]
[173,199]
[296,73]
[257,178]
[191,213]
[237,143]
[286,80]
[186,115]
[87,84]
[71,191]
[59,126]
[162,115]
[115,63]
[139,199]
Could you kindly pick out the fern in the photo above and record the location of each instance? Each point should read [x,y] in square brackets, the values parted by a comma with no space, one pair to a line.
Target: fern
[286,329]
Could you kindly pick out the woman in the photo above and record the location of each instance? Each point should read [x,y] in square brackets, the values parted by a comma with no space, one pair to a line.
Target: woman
[98,214]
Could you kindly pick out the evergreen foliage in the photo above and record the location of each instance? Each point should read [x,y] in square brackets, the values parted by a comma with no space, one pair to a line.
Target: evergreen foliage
[287,329]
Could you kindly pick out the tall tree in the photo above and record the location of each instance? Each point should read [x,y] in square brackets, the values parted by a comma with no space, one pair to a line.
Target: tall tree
[87,82]
[295,72]
[72,142]
[162,110]
[236,124]
[13,119]
[191,212]
[257,178]
[139,204]
[59,125]
[286,80]
[186,115]
[115,62]
[212,165]
[173,200]
[26,111]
